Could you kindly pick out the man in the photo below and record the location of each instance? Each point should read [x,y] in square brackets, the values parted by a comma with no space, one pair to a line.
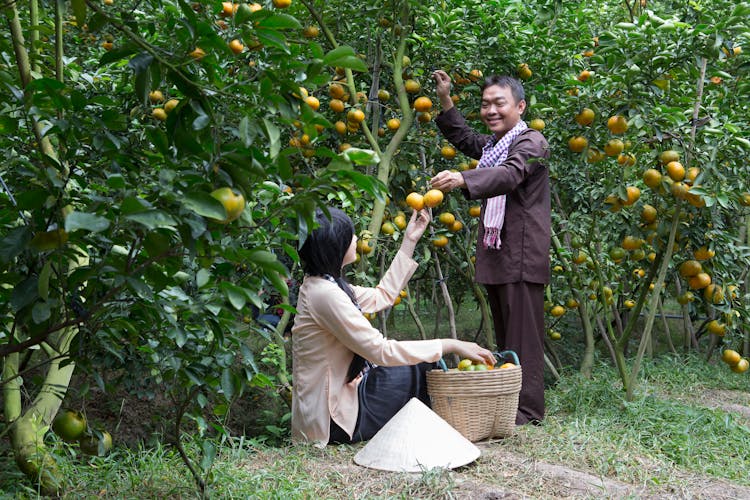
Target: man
[512,259]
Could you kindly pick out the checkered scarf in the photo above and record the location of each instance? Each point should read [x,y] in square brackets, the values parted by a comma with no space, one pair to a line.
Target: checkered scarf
[493,155]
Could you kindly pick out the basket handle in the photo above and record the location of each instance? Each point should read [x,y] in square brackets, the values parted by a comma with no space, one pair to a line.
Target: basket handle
[442,365]
[512,354]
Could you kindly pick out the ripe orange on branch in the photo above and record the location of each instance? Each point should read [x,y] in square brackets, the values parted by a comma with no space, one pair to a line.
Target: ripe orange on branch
[585,117]
[415,201]
[652,178]
[422,104]
[617,124]
[577,144]
[433,198]
[448,152]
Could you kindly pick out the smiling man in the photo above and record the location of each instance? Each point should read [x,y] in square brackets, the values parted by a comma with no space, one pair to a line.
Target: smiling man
[512,259]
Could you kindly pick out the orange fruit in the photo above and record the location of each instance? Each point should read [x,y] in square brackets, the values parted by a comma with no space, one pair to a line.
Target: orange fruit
[745,199]
[228,8]
[617,254]
[555,335]
[313,102]
[585,117]
[155,96]
[400,221]
[626,159]
[675,170]
[393,124]
[648,214]
[384,95]
[415,201]
[311,32]
[617,124]
[692,174]
[629,303]
[448,152]
[668,156]
[505,366]
[703,253]
[713,293]
[595,155]
[699,281]
[685,298]
[447,218]
[336,105]
[424,117]
[236,46]
[159,114]
[652,178]
[679,190]
[580,258]
[475,75]
[456,226]
[577,144]
[440,241]
[336,91]
[355,115]
[340,127]
[364,246]
[690,268]
[524,72]
[584,75]
[537,124]
[614,147]
[422,104]
[730,357]
[557,311]
[633,194]
[197,53]
[387,228]
[433,198]
[716,327]
[170,105]
[412,86]
[282,4]
[631,243]
[571,303]
[741,366]
[475,210]
[69,425]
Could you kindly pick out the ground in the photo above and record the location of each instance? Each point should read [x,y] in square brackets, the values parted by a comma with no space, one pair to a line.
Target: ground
[501,473]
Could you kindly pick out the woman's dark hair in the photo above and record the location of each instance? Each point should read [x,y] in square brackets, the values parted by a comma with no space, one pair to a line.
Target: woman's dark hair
[325,247]
[508,82]
[323,253]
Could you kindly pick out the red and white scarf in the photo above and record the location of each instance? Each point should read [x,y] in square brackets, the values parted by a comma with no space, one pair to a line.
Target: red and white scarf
[493,155]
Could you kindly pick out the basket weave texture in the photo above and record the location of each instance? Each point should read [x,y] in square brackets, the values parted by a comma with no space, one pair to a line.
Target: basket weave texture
[479,405]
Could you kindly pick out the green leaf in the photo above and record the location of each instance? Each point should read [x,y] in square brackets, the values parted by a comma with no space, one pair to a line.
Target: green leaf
[274,135]
[79,11]
[202,277]
[227,383]
[345,57]
[14,243]
[205,205]
[280,21]
[279,283]
[44,275]
[234,294]
[24,293]
[152,219]
[81,220]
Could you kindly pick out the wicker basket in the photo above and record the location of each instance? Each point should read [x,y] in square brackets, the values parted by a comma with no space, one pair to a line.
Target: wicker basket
[479,405]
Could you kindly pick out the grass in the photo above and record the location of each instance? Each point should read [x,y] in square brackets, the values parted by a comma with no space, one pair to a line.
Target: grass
[664,441]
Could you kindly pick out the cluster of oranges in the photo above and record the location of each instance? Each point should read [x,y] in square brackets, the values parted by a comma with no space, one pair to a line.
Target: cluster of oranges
[737,363]
[467,365]
[160,111]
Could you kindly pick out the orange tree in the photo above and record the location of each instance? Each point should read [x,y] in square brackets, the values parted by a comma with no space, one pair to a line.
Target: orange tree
[149,203]
[610,103]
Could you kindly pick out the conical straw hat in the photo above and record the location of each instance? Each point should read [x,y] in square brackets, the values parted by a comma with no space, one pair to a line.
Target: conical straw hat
[414,440]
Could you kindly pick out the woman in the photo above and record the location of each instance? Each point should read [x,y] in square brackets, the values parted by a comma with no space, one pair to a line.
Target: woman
[338,395]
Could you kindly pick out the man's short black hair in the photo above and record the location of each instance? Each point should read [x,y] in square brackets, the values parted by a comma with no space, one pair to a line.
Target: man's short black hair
[506,81]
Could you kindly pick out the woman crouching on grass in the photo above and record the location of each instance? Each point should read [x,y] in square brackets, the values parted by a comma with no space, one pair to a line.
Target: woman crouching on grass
[348,379]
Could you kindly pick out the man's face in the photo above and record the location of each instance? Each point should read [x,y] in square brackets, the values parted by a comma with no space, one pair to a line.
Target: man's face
[500,112]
